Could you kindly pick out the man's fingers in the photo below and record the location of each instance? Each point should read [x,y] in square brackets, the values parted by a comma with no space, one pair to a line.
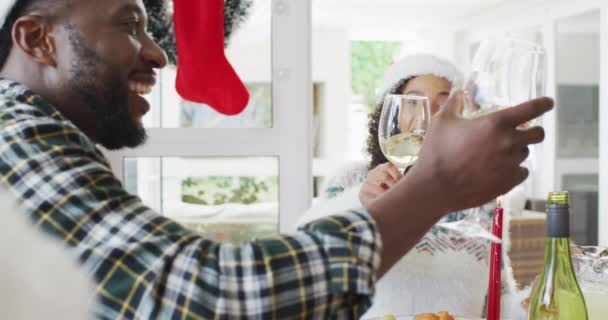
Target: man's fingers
[520,175]
[522,154]
[455,102]
[524,112]
[531,136]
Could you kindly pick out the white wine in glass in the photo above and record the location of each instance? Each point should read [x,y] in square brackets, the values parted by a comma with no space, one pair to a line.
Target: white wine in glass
[403,124]
[402,149]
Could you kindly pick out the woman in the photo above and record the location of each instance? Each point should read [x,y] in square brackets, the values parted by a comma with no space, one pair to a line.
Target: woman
[444,271]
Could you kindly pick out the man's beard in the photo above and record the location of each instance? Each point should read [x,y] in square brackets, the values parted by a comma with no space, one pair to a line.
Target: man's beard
[106,97]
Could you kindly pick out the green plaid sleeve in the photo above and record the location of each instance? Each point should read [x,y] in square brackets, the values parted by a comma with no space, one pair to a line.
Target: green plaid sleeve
[149,267]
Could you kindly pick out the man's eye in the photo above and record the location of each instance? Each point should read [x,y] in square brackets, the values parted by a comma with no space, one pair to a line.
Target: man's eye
[132,26]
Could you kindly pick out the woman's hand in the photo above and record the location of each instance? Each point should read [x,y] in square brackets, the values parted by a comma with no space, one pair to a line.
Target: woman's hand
[378,180]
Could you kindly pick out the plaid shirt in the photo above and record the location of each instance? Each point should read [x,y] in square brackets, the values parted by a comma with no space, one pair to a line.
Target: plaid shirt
[150,267]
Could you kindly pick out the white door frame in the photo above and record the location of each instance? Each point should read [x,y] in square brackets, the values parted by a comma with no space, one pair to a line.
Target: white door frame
[603,124]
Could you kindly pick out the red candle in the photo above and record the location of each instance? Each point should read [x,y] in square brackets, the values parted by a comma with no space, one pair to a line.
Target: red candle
[495,267]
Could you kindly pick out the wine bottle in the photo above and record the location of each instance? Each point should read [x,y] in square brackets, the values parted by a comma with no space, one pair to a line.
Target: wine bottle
[557,295]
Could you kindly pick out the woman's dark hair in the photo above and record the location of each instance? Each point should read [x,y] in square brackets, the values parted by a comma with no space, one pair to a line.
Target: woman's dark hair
[373,145]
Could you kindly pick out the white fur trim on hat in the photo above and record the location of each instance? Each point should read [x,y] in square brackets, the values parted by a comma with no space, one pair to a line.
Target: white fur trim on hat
[418,65]
[5,8]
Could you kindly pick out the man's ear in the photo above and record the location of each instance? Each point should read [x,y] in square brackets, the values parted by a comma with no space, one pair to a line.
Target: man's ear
[32,35]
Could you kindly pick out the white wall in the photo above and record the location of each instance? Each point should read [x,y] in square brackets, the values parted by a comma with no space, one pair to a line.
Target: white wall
[578,56]
[331,66]
[439,42]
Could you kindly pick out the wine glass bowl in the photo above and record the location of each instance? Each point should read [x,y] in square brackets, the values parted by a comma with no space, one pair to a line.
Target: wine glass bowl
[591,268]
[505,72]
[403,123]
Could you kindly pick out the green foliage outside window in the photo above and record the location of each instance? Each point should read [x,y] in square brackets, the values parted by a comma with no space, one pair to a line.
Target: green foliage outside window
[218,190]
[223,190]
[370,59]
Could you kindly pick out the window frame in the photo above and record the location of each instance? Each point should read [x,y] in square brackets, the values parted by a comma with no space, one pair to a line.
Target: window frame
[290,138]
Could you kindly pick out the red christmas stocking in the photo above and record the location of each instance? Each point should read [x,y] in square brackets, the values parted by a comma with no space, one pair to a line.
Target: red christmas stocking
[204,75]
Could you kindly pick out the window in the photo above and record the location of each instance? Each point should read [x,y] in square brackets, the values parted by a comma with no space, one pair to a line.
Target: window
[179,113]
[235,178]
[228,199]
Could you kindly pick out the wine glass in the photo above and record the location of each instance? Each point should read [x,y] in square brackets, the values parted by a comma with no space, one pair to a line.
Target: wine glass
[591,268]
[403,123]
[505,72]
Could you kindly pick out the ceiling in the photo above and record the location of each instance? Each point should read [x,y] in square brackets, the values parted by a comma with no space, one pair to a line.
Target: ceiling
[373,19]
[368,18]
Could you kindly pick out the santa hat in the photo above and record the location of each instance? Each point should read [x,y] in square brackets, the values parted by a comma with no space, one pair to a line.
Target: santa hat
[417,65]
[5,8]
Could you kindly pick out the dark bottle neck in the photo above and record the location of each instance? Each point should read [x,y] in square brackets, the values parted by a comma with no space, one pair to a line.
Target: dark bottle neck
[558,221]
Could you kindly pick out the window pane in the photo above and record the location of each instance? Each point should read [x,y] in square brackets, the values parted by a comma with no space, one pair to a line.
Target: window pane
[583,190]
[578,90]
[577,116]
[249,51]
[578,65]
[227,199]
